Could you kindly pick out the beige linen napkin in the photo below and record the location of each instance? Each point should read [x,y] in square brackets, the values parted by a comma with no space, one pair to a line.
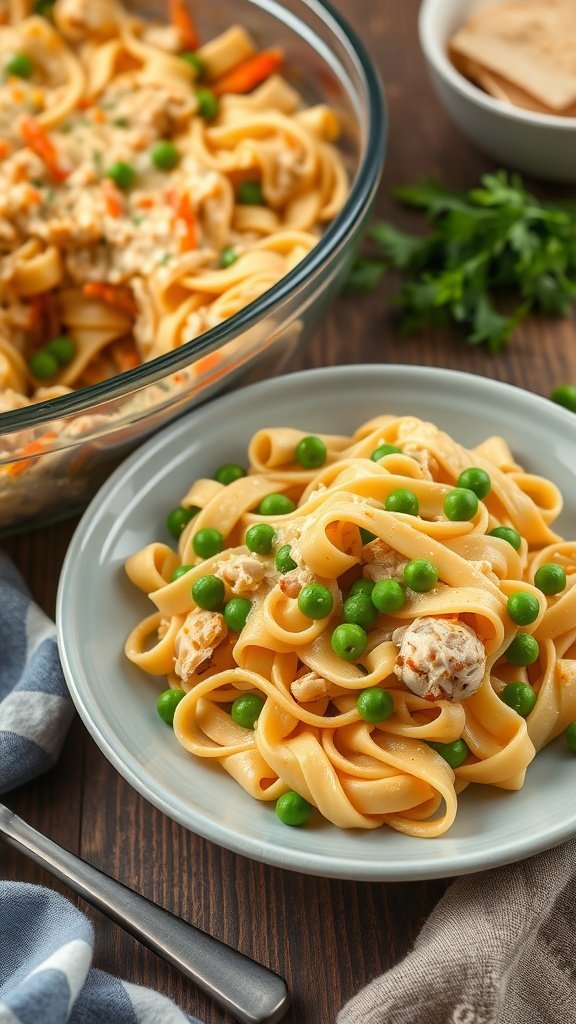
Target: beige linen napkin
[500,948]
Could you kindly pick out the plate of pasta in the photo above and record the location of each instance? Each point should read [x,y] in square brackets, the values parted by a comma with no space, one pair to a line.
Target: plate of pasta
[329,622]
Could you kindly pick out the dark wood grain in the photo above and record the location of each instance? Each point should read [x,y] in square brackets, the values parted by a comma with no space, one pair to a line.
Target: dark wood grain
[281,918]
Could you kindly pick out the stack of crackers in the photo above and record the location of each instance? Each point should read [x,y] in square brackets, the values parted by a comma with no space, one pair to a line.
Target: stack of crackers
[522,52]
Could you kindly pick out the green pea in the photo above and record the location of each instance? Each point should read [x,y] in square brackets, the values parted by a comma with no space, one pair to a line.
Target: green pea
[208,105]
[164,155]
[246,709]
[454,753]
[43,365]
[460,504]
[361,586]
[20,65]
[550,578]
[228,256]
[311,452]
[195,62]
[523,650]
[180,571]
[208,592]
[167,703]
[236,611]
[385,449]
[284,561]
[374,705]
[402,500]
[293,809]
[62,348]
[122,174]
[477,480]
[366,536]
[179,517]
[523,608]
[358,608]
[421,575]
[250,193]
[275,505]
[315,601]
[565,394]
[207,542]
[507,533]
[260,538]
[388,596]
[44,8]
[520,697]
[228,473]
[349,641]
[570,735]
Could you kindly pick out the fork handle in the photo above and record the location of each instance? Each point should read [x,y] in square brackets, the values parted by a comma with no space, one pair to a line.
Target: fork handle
[246,989]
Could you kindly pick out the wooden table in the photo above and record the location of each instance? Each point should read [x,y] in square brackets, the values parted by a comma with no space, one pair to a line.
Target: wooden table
[279,917]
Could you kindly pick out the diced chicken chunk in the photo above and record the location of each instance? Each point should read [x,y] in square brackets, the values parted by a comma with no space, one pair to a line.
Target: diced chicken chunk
[439,659]
[427,462]
[309,687]
[381,561]
[77,19]
[292,582]
[197,639]
[242,573]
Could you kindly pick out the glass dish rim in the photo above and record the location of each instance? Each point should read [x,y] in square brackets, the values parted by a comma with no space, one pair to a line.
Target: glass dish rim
[361,193]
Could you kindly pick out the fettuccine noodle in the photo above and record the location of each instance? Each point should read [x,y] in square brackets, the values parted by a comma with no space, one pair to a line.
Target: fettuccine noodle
[151,186]
[441,655]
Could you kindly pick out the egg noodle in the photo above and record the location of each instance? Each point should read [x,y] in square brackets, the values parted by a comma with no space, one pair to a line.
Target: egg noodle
[310,736]
[151,185]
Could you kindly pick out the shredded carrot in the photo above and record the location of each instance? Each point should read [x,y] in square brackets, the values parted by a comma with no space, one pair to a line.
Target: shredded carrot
[98,115]
[37,310]
[145,202]
[32,448]
[40,142]
[182,20]
[112,294]
[4,149]
[33,196]
[186,227]
[125,356]
[250,73]
[112,198]
[207,363]
[86,102]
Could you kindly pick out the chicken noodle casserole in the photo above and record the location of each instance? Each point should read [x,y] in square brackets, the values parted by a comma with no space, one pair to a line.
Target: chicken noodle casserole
[151,185]
[364,625]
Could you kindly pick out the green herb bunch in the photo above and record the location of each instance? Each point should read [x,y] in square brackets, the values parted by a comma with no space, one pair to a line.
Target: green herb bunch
[494,241]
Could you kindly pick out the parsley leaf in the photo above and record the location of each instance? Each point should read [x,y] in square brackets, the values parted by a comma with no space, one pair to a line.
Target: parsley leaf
[494,241]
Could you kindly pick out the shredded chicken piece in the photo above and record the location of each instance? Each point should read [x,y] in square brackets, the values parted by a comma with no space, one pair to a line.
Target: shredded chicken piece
[77,19]
[439,659]
[309,687]
[163,628]
[242,573]
[197,639]
[292,582]
[381,562]
[165,37]
[428,464]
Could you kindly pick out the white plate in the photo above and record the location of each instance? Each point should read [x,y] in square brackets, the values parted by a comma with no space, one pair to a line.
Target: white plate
[97,607]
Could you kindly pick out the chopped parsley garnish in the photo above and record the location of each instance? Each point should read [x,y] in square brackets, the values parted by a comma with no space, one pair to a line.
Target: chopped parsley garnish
[494,241]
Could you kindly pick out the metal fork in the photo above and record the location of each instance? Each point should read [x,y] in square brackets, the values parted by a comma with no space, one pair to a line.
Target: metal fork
[250,992]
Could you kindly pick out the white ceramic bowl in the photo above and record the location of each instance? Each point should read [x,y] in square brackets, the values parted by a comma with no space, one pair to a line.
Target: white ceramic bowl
[540,145]
[97,608]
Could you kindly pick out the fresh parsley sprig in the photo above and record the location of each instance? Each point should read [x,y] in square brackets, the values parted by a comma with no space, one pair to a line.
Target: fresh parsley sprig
[496,241]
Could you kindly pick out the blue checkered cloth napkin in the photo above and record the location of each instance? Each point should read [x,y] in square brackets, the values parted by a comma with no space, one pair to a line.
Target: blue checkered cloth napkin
[45,942]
